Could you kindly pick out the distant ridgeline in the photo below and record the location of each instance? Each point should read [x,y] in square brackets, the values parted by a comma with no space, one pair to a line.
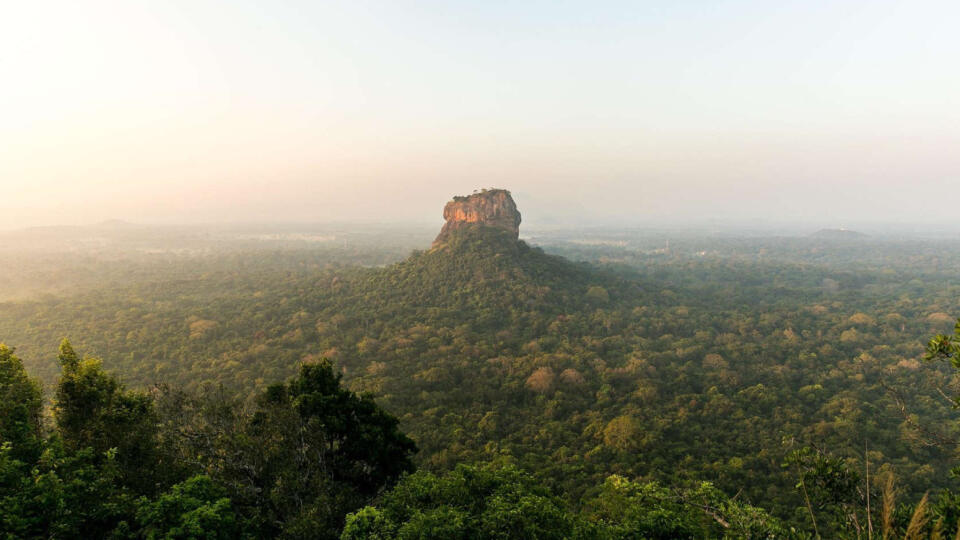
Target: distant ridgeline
[839,234]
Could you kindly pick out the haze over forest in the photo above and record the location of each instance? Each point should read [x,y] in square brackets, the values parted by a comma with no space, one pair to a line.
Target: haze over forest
[829,113]
[696,274]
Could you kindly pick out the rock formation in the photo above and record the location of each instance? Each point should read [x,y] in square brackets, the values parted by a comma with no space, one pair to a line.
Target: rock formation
[489,207]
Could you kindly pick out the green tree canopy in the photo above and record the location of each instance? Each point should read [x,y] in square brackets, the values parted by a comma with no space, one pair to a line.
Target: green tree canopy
[93,410]
[471,502]
[20,407]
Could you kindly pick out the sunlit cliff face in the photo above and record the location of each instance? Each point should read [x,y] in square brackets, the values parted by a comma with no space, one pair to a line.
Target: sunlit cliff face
[492,208]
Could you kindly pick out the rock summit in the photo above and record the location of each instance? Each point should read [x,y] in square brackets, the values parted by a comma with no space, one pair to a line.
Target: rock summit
[488,208]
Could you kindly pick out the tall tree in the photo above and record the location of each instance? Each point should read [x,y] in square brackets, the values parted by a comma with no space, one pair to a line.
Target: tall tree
[20,408]
[309,453]
[93,410]
[471,502]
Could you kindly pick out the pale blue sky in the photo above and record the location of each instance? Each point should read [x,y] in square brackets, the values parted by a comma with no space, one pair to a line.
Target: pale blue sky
[628,111]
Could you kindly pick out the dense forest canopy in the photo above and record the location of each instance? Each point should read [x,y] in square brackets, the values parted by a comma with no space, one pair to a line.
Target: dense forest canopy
[716,372]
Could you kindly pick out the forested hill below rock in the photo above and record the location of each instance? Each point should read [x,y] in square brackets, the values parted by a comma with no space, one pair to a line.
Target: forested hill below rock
[491,350]
[484,278]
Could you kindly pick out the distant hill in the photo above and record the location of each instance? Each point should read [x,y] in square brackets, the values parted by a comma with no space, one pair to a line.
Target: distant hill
[839,234]
[113,224]
[484,277]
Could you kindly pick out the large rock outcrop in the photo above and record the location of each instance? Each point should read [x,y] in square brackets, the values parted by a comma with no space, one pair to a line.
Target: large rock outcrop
[489,208]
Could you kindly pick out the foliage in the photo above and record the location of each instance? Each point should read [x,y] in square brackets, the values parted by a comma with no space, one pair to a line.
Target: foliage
[93,410]
[648,510]
[313,452]
[20,407]
[129,464]
[196,508]
[502,502]
[828,484]
[62,495]
[469,502]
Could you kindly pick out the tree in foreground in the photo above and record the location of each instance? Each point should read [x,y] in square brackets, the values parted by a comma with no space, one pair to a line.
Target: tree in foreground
[630,509]
[474,502]
[308,454]
[166,464]
[20,408]
[92,409]
[487,502]
[197,508]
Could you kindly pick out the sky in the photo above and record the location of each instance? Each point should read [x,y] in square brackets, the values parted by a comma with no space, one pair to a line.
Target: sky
[593,112]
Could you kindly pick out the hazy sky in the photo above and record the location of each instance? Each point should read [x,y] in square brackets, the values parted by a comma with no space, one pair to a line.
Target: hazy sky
[197,111]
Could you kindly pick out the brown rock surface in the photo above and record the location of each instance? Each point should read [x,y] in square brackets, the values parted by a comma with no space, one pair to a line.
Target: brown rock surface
[489,207]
